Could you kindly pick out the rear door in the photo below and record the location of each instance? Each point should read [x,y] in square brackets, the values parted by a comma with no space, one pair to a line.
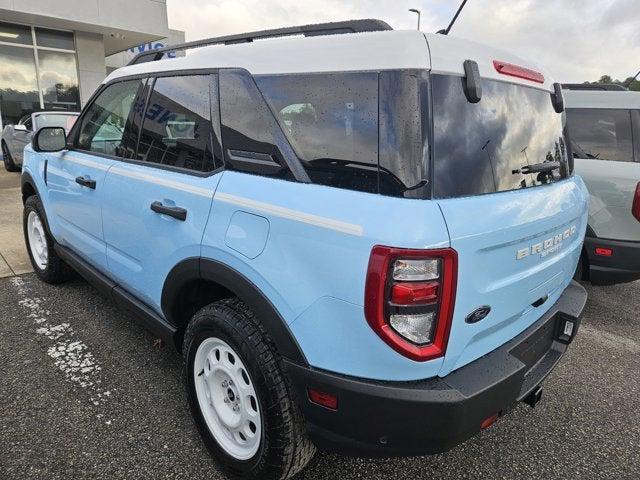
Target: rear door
[157,203]
[76,178]
[603,142]
[518,234]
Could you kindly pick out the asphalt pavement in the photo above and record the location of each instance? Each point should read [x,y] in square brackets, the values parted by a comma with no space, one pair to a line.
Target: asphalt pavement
[85,392]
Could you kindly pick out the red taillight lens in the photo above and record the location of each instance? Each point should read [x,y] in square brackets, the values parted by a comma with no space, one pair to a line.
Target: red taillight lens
[406,293]
[512,70]
[635,209]
[409,299]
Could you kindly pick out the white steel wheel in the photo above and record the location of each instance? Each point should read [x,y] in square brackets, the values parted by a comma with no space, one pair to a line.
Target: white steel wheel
[37,240]
[227,398]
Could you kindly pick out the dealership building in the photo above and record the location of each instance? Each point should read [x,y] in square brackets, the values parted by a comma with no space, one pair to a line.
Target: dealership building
[54,54]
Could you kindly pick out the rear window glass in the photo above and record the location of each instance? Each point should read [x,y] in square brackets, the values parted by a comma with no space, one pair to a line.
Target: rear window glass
[484,147]
[331,121]
[601,133]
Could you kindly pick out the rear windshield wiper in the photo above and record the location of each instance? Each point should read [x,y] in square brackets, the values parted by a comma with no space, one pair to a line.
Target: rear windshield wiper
[545,167]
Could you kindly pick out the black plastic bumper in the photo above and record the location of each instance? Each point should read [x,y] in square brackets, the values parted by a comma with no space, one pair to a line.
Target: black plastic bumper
[423,417]
[622,266]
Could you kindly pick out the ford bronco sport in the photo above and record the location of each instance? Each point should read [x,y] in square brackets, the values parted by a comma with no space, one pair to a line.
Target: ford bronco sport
[359,239]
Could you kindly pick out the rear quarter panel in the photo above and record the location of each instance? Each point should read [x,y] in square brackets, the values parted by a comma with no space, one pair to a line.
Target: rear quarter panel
[611,188]
[314,262]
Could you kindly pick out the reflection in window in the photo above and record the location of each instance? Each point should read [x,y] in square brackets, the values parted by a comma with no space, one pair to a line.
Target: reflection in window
[332,123]
[484,147]
[10,33]
[102,125]
[601,133]
[59,80]
[177,129]
[18,86]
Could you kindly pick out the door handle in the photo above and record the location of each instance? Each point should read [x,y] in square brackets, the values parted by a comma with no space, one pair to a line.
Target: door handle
[175,212]
[86,182]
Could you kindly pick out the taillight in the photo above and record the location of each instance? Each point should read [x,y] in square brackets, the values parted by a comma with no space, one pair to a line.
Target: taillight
[635,209]
[409,299]
[518,71]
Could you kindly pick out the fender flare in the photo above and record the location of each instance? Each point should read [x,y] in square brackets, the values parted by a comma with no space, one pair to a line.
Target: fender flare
[195,268]
[27,179]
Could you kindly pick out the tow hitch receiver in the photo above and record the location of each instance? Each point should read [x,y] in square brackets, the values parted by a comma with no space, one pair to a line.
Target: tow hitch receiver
[534,397]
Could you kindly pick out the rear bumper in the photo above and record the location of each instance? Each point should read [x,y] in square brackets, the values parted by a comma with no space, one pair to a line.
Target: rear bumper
[622,266]
[414,418]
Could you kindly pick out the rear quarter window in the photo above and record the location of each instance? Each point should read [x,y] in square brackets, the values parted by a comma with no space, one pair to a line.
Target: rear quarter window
[331,121]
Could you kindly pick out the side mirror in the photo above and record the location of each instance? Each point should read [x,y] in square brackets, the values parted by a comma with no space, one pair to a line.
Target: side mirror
[49,139]
[20,128]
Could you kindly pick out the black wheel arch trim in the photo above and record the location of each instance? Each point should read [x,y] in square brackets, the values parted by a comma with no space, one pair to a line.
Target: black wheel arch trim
[194,268]
[27,179]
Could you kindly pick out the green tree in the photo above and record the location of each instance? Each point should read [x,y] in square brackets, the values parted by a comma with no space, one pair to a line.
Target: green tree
[627,82]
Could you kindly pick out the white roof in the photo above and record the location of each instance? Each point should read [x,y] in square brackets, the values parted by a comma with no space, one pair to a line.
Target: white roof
[601,99]
[392,49]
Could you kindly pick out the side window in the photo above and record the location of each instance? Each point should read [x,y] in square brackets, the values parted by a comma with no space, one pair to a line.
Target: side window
[28,123]
[103,124]
[601,133]
[253,140]
[177,130]
[331,120]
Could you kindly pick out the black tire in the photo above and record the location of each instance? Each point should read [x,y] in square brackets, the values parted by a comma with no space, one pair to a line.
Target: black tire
[284,448]
[55,271]
[9,164]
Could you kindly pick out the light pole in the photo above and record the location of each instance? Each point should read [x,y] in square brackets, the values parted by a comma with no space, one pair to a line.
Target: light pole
[415,10]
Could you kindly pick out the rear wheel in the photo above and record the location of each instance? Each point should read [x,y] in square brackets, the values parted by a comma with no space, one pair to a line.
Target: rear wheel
[242,401]
[9,164]
[45,261]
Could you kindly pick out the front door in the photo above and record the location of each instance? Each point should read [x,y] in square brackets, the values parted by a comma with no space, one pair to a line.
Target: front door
[157,205]
[76,178]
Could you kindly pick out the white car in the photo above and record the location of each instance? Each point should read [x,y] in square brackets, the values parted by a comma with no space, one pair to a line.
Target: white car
[16,137]
[604,128]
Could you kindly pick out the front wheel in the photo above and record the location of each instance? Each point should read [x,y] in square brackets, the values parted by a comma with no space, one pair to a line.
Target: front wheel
[45,261]
[242,402]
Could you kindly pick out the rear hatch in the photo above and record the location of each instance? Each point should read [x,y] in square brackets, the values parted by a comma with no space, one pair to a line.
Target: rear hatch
[518,233]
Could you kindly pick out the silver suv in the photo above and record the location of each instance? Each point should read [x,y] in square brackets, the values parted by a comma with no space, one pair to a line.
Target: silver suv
[604,128]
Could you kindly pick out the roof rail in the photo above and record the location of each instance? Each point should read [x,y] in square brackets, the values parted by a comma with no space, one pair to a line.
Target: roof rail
[594,86]
[333,28]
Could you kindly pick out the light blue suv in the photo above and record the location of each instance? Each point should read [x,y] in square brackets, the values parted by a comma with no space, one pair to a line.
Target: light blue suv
[361,242]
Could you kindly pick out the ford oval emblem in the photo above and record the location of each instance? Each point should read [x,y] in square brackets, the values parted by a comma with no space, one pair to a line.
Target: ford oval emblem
[478,314]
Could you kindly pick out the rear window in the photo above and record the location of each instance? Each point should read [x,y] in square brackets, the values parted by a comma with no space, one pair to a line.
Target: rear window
[482,147]
[601,133]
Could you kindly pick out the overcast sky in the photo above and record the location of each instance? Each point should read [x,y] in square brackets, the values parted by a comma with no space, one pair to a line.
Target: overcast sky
[576,39]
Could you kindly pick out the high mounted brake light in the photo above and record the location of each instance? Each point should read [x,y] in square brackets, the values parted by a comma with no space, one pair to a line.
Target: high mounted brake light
[512,70]
[409,299]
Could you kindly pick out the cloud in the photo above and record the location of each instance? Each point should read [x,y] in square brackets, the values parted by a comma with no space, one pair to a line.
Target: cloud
[576,40]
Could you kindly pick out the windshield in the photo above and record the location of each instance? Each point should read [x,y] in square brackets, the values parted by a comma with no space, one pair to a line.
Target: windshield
[56,120]
[511,139]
